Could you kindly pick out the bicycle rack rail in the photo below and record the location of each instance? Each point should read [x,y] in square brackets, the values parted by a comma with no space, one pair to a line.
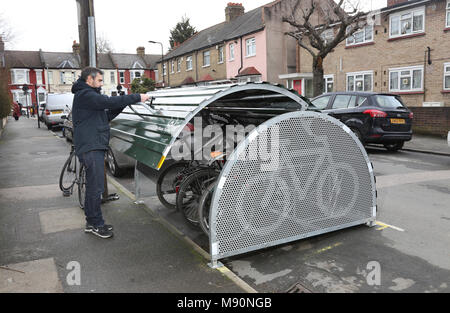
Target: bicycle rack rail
[298,174]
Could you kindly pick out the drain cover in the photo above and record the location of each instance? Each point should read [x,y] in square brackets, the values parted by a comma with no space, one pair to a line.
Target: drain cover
[298,288]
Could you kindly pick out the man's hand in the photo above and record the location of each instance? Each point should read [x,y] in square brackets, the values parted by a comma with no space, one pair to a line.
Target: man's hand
[144,97]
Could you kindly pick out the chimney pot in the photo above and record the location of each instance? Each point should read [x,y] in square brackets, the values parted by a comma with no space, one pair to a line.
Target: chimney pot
[76,47]
[233,11]
[140,51]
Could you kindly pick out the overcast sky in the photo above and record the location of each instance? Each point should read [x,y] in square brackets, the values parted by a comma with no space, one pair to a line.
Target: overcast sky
[51,25]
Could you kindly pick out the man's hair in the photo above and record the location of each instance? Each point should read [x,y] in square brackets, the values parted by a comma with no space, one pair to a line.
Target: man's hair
[90,71]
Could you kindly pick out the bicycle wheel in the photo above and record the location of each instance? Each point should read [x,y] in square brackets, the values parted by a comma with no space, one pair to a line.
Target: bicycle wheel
[190,192]
[69,173]
[332,201]
[82,187]
[205,207]
[168,181]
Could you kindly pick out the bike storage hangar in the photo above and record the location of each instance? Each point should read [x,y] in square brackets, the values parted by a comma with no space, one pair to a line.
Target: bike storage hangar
[295,174]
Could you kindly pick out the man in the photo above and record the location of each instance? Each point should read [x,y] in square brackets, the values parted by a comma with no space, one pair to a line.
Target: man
[91,114]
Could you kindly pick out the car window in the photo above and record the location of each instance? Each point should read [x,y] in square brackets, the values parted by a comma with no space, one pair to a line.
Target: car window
[321,103]
[352,103]
[361,101]
[341,101]
[388,102]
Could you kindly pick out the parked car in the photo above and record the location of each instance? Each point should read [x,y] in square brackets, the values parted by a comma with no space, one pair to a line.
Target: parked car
[57,106]
[375,118]
[118,163]
[67,130]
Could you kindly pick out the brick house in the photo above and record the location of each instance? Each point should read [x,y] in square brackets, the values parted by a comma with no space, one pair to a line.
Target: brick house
[406,52]
[55,72]
[131,66]
[25,69]
[247,46]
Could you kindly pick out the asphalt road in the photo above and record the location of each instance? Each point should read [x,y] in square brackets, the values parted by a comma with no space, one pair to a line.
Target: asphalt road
[410,244]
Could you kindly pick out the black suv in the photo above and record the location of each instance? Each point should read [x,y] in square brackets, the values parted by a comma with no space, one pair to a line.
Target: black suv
[376,118]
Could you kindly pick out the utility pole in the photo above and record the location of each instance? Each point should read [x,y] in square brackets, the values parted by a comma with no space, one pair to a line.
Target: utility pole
[86,30]
[88,52]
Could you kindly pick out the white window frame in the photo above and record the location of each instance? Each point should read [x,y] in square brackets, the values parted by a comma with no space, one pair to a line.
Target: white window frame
[221,55]
[18,93]
[446,74]
[250,47]
[164,69]
[447,14]
[26,73]
[172,67]
[411,69]
[133,74]
[112,77]
[178,65]
[351,41]
[328,79]
[206,57]
[189,63]
[232,50]
[355,74]
[122,78]
[50,77]
[39,81]
[399,15]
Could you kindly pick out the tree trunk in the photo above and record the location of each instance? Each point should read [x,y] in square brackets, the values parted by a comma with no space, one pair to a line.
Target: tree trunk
[318,84]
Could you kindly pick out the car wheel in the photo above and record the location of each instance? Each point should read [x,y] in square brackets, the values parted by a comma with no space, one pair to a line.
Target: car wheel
[358,134]
[114,169]
[394,146]
[49,126]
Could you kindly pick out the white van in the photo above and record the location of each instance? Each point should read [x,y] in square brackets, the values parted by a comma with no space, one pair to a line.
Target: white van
[57,106]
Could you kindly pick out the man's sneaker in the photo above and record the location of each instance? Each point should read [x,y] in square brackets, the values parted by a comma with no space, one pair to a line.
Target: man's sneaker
[101,231]
[90,227]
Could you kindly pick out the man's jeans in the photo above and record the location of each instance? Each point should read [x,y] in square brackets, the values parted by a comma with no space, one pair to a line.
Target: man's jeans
[94,161]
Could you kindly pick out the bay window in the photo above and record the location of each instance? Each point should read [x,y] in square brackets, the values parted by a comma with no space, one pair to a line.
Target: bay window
[19,77]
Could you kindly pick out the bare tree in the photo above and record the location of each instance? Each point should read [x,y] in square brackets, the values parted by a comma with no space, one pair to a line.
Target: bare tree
[339,21]
[6,32]
[104,45]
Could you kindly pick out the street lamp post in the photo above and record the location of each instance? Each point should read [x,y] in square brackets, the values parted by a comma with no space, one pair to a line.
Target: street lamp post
[162,58]
[25,91]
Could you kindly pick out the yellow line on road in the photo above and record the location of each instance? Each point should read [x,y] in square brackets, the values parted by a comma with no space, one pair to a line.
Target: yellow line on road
[329,247]
[384,226]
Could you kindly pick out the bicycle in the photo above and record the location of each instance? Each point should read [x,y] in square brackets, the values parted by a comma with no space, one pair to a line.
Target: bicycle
[73,172]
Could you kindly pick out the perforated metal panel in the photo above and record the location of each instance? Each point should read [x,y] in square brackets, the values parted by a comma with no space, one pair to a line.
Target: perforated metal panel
[298,175]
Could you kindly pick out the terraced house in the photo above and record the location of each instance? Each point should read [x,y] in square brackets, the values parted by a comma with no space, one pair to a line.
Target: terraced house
[247,46]
[55,72]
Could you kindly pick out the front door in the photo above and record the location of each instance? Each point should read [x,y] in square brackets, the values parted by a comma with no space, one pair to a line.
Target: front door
[298,86]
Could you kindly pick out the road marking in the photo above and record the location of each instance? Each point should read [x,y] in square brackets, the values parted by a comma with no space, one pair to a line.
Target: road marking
[384,226]
[329,247]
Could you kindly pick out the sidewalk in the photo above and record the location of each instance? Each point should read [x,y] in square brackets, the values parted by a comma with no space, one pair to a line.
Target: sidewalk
[428,144]
[42,239]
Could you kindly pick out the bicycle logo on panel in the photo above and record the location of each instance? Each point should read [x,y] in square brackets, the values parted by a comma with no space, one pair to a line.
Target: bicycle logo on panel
[306,186]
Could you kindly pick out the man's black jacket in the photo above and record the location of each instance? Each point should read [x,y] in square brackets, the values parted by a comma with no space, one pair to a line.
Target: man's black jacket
[91,114]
